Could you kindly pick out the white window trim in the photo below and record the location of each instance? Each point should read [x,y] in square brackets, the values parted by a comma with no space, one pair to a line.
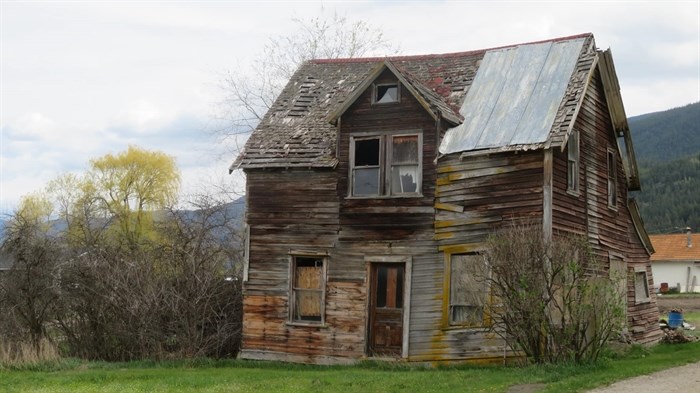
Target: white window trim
[385,151]
[291,298]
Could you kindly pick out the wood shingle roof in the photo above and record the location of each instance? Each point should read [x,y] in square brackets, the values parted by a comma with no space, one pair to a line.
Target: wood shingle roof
[297,131]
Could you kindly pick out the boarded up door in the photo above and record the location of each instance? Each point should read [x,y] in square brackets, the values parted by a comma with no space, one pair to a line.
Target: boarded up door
[386,309]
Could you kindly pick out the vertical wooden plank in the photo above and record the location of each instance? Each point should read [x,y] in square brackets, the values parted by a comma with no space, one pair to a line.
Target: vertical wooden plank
[547,195]
[406,307]
[391,287]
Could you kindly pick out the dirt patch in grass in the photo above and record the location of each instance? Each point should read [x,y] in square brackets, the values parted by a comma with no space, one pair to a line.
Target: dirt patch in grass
[526,388]
[688,303]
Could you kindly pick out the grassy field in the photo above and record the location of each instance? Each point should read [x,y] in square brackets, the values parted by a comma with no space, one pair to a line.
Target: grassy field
[245,376]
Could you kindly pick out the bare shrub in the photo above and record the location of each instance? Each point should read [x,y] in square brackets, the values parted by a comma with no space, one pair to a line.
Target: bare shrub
[177,296]
[28,291]
[554,300]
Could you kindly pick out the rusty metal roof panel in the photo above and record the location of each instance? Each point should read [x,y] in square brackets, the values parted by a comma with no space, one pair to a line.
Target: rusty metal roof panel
[515,96]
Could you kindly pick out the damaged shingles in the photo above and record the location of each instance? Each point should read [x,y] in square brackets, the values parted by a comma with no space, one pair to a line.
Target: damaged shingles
[318,87]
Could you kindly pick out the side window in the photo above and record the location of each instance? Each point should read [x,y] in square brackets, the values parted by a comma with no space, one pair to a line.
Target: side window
[573,163]
[469,289]
[386,165]
[308,289]
[641,286]
[612,179]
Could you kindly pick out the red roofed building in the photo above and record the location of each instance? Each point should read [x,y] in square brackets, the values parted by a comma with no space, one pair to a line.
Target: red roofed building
[677,260]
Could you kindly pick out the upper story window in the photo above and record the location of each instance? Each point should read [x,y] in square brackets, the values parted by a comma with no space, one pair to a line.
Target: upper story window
[386,93]
[573,163]
[386,165]
[612,179]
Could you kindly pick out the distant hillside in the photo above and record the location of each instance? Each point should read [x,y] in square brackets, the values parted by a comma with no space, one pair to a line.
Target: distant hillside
[670,197]
[668,135]
[667,147]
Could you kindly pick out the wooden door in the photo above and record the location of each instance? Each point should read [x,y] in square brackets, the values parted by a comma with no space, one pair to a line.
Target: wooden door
[386,309]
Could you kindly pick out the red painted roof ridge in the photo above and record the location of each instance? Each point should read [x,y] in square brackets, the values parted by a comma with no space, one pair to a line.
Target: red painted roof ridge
[439,55]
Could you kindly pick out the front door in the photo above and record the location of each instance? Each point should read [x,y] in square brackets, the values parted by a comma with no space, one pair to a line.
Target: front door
[386,309]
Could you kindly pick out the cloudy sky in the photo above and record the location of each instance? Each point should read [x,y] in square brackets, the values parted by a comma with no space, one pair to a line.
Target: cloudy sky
[81,79]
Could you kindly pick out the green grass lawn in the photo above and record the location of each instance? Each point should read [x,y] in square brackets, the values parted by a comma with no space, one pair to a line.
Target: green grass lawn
[245,376]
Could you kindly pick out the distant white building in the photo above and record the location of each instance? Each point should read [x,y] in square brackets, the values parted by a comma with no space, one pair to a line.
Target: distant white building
[676,262]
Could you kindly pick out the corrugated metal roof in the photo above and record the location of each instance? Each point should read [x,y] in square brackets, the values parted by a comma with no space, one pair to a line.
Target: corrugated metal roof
[515,96]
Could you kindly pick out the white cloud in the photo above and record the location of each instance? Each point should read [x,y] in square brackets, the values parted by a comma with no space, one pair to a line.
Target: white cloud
[83,79]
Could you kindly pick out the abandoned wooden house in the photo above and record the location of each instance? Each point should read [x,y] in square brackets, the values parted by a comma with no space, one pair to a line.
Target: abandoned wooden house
[373,183]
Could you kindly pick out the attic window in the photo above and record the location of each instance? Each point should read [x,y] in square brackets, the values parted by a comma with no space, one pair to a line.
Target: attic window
[386,93]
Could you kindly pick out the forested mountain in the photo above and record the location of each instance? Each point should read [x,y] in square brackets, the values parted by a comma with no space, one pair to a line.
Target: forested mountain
[668,135]
[667,146]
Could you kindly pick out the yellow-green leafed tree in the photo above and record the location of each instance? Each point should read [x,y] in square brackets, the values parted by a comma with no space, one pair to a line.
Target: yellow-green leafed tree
[35,210]
[130,186]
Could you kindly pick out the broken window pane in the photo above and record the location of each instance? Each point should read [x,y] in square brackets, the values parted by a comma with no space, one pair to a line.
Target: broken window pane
[405,165]
[387,94]
[367,152]
[404,179]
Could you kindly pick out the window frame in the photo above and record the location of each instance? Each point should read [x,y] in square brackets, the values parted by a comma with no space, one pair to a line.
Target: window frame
[448,308]
[613,190]
[385,164]
[573,163]
[375,92]
[646,297]
[618,274]
[323,258]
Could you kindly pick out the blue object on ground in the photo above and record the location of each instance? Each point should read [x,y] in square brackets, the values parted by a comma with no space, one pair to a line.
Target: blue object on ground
[675,320]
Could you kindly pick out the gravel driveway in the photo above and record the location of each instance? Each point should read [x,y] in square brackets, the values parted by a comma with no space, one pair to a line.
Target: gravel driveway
[684,379]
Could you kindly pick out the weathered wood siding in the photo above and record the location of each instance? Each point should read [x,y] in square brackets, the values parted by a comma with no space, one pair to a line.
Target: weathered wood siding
[296,210]
[310,210]
[609,230]
[371,227]
[474,196]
